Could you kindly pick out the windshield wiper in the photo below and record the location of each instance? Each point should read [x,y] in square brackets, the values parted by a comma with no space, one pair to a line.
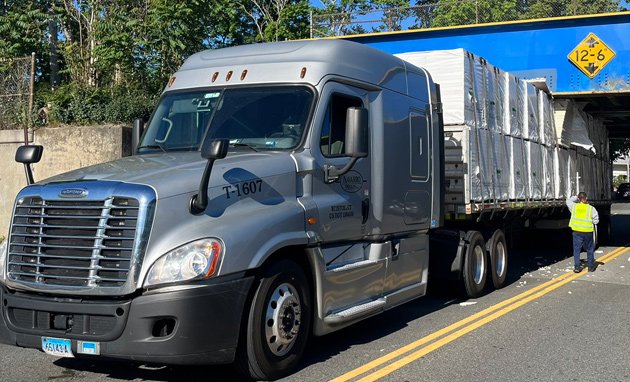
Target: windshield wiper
[156,146]
[244,145]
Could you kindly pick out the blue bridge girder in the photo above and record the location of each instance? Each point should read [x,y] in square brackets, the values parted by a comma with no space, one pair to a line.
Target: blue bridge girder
[540,48]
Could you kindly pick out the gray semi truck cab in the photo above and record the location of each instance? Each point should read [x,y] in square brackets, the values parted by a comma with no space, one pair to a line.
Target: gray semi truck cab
[279,191]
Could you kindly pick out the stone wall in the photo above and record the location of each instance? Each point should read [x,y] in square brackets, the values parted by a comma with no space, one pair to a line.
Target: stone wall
[65,148]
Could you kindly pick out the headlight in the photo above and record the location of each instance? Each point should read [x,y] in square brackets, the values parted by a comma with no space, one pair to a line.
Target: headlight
[3,261]
[196,260]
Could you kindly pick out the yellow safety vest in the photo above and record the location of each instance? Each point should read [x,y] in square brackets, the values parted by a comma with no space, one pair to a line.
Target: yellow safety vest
[581,218]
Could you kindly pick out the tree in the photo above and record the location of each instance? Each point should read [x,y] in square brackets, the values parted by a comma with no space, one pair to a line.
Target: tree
[394,13]
[462,12]
[557,8]
[22,28]
[337,16]
[277,20]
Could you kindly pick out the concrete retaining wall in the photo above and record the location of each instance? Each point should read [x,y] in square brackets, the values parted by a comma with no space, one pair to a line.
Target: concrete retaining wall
[65,148]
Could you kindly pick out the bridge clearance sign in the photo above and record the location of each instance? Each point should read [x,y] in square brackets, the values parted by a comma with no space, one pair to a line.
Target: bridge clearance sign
[591,55]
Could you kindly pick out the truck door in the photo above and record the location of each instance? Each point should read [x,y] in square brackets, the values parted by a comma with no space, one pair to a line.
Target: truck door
[344,204]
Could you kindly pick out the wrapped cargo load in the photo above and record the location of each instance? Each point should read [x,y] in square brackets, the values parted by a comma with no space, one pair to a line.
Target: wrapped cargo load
[518,174]
[571,125]
[454,70]
[513,101]
[562,181]
[496,97]
[531,128]
[534,159]
[546,119]
[501,165]
[505,145]
[548,178]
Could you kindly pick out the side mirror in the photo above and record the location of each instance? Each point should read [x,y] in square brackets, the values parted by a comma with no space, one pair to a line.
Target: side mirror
[211,149]
[27,155]
[356,145]
[214,148]
[356,132]
[136,132]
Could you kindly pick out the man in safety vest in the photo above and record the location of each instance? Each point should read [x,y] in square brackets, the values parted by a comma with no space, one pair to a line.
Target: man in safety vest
[583,218]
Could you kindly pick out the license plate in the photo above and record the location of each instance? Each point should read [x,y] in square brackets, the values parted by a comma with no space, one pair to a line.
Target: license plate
[57,347]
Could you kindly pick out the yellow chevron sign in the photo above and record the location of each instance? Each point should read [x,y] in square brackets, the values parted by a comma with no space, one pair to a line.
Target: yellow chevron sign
[591,55]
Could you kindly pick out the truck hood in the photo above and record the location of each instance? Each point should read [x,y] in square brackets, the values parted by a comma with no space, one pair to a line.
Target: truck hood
[177,173]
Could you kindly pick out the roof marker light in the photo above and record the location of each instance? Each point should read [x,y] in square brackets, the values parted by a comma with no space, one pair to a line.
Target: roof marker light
[243,74]
[214,76]
[229,75]
[303,72]
[171,81]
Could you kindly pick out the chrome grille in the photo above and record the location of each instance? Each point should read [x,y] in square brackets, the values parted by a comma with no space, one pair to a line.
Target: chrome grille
[73,243]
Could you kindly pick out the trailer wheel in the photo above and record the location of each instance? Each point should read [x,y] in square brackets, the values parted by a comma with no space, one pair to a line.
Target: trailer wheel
[498,253]
[278,324]
[475,265]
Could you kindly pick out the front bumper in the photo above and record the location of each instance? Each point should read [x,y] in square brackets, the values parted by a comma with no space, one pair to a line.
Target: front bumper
[191,326]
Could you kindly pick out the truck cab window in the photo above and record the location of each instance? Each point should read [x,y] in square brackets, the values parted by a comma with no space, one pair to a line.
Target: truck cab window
[270,117]
[333,134]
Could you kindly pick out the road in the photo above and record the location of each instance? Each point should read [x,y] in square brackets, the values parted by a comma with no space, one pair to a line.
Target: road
[547,324]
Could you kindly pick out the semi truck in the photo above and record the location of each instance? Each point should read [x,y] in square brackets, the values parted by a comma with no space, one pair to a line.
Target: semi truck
[279,191]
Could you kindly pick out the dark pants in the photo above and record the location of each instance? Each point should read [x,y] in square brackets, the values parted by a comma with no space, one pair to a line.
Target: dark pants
[583,240]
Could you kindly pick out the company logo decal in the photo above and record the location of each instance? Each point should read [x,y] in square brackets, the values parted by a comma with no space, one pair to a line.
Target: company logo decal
[351,182]
[73,193]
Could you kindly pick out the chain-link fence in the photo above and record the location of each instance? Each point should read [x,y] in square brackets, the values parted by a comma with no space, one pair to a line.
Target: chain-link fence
[16,92]
[447,13]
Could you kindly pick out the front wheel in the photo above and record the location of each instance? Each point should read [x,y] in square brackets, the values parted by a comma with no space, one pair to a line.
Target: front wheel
[278,324]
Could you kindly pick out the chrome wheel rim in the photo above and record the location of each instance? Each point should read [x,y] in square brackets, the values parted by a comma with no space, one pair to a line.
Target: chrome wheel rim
[282,319]
[501,256]
[479,264]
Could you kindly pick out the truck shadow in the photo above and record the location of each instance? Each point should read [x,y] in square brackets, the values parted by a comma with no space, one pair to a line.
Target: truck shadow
[531,251]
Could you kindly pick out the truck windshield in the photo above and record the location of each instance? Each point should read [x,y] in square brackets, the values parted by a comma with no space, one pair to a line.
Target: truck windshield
[272,117]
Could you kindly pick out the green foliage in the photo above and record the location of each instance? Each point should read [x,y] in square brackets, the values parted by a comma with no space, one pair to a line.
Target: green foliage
[70,104]
[555,8]
[619,148]
[617,180]
[457,12]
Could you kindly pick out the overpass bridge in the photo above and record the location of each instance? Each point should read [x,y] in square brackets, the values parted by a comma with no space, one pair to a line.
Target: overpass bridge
[585,58]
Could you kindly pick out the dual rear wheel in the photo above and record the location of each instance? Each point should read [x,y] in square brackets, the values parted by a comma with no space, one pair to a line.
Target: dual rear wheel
[483,260]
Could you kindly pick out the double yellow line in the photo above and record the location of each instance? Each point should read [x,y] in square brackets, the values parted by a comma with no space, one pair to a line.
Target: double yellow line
[436,340]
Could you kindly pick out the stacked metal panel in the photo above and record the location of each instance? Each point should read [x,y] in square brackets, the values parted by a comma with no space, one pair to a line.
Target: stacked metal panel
[501,139]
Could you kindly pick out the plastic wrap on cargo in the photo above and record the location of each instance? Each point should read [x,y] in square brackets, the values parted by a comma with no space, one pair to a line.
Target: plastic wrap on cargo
[480,168]
[534,158]
[548,178]
[546,119]
[513,101]
[518,175]
[531,129]
[562,184]
[571,125]
[573,172]
[501,165]
[496,97]
[452,70]
[480,101]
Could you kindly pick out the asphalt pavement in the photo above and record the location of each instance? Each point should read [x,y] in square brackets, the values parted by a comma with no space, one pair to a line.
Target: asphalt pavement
[575,328]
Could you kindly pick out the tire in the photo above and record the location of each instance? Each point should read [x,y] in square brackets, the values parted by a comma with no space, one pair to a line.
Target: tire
[474,273]
[278,324]
[498,254]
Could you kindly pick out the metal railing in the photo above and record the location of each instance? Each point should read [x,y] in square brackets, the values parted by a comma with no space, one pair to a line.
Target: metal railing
[445,13]
[17,83]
